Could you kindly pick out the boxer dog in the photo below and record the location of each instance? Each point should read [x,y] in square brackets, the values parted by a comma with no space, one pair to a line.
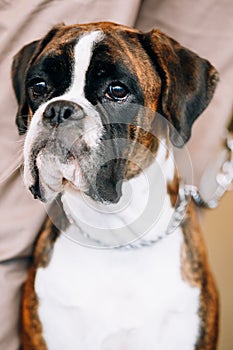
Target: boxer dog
[89,100]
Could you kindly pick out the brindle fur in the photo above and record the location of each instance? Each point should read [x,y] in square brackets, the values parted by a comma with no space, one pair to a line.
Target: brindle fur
[31,331]
[196,271]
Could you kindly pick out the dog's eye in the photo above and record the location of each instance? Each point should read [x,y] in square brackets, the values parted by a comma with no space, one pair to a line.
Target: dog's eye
[39,88]
[117,92]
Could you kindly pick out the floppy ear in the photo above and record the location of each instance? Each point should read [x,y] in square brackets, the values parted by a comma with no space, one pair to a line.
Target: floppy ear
[21,62]
[188,83]
[19,68]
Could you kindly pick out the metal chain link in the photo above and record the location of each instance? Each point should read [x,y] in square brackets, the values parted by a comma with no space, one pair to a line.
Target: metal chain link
[176,219]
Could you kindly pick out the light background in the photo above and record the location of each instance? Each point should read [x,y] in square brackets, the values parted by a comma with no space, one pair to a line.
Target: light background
[218,232]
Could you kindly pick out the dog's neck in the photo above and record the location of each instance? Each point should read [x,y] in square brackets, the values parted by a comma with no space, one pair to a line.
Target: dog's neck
[143,212]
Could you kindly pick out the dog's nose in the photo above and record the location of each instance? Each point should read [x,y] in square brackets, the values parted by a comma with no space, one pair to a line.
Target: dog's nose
[58,112]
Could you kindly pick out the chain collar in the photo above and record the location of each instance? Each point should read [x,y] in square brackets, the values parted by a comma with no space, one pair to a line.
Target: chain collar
[178,215]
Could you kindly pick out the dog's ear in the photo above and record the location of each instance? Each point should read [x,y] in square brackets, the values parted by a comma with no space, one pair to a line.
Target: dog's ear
[19,68]
[21,62]
[188,82]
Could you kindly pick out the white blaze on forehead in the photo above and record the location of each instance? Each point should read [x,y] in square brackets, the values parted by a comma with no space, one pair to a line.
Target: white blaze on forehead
[83,53]
[92,126]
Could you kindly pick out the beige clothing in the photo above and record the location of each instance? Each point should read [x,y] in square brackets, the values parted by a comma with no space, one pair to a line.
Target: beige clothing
[207,29]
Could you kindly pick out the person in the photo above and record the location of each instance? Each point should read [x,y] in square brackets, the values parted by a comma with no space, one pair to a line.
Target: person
[206,29]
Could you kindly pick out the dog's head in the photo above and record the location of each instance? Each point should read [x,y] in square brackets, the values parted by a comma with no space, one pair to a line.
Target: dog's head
[80,90]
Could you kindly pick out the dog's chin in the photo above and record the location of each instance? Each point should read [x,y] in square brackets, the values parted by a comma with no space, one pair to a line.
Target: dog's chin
[50,181]
[50,176]
[47,192]
[53,173]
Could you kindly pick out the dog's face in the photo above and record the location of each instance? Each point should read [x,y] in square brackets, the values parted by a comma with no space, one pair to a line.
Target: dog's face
[84,92]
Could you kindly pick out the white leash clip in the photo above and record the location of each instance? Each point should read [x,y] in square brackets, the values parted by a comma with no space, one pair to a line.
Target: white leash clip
[225,176]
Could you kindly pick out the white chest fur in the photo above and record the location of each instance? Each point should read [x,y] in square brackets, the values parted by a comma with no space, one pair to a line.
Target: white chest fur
[117,300]
[111,299]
